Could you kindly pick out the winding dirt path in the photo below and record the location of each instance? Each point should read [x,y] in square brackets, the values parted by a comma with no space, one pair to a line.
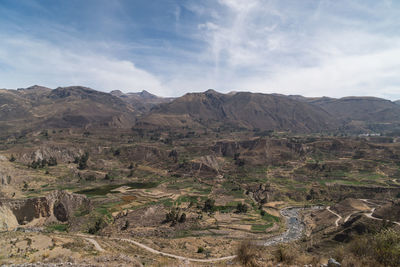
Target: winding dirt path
[337,215]
[370,215]
[348,216]
[293,232]
[151,250]
[95,244]
[91,240]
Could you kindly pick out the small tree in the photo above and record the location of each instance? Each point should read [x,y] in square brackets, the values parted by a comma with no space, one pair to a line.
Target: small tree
[174,154]
[182,219]
[12,159]
[26,186]
[43,163]
[82,164]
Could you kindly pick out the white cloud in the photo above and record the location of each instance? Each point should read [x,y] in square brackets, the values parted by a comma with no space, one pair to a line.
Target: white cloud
[305,47]
[28,61]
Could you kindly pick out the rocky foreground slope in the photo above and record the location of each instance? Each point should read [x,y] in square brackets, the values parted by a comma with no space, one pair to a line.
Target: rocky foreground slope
[58,206]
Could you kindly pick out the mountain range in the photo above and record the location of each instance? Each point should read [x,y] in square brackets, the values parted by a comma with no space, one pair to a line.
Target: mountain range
[38,107]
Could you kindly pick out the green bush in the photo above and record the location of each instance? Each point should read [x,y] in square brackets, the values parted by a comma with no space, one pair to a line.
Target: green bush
[82,161]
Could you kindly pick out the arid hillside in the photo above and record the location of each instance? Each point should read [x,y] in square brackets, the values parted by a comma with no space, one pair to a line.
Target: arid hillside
[38,107]
[360,114]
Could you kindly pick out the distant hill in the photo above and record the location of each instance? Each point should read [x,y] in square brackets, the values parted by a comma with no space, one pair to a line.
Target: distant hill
[39,107]
[142,101]
[397,102]
[240,110]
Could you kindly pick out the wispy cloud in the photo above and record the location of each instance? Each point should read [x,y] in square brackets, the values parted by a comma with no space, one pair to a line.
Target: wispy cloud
[305,48]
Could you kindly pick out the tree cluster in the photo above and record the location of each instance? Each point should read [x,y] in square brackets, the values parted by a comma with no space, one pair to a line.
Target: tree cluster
[41,163]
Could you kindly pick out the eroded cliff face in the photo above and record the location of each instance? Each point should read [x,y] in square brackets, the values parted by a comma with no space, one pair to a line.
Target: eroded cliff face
[58,206]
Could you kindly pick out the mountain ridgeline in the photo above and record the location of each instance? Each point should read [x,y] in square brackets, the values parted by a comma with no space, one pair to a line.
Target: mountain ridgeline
[39,107]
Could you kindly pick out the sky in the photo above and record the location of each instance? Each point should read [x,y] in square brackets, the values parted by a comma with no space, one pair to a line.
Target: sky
[330,48]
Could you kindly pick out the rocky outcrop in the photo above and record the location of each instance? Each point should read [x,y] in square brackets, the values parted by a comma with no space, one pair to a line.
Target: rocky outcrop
[57,206]
[62,154]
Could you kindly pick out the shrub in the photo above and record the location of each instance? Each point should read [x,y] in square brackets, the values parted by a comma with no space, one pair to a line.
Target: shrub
[12,158]
[117,152]
[125,226]
[109,177]
[200,250]
[52,161]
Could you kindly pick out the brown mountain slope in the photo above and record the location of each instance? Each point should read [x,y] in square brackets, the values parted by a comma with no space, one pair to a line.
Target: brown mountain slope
[39,107]
[359,114]
[240,110]
[360,108]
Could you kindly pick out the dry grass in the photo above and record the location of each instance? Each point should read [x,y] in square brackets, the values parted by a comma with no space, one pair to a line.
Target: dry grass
[246,254]
[382,249]
[286,254]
